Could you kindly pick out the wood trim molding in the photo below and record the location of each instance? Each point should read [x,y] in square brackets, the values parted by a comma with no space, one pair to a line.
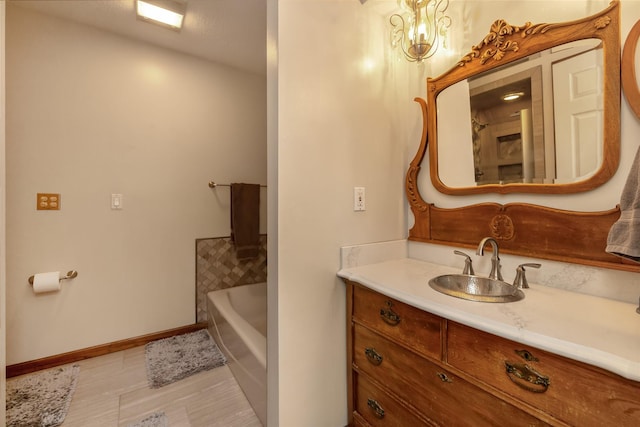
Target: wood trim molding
[99,350]
[628,72]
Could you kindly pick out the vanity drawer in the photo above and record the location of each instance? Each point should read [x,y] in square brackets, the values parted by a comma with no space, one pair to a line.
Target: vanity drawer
[358,421]
[570,391]
[435,392]
[399,321]
[379,409]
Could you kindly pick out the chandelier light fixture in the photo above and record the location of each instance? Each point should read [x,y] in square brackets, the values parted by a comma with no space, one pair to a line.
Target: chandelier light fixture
[420,27]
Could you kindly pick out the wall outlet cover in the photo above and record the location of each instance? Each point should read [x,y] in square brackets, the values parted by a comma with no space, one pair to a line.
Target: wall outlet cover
[48,201]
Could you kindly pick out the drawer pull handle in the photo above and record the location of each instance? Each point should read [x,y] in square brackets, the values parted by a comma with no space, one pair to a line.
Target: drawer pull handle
[443,377]
[373,356]
[524,376]
[376,408]
[526,355]
[389,316]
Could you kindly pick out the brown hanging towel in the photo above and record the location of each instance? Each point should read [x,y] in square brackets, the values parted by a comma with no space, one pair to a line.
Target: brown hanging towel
[245,219]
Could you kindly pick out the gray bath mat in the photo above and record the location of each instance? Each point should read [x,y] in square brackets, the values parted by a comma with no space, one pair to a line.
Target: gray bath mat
[41,399]
[157,419]
[178,357]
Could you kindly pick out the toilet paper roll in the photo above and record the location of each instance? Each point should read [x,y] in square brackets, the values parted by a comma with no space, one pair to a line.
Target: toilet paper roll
[46,282]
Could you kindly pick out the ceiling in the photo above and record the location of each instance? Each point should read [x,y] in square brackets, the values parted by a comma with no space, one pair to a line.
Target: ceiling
[231,32]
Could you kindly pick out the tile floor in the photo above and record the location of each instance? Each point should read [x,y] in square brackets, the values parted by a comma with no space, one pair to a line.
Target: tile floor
[112,391]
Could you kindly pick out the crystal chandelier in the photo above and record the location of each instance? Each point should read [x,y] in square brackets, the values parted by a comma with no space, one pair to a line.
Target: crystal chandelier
[420,27]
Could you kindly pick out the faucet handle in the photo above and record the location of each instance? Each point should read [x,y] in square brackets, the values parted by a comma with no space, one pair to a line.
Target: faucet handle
[468,267]
[521,279]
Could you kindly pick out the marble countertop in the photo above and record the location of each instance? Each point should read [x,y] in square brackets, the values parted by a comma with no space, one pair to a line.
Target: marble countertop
[594,330]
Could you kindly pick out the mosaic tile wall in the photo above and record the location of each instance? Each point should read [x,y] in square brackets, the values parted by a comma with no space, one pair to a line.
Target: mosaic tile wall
[217,268]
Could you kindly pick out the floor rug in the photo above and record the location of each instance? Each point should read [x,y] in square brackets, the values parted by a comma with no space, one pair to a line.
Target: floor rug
[175,358]
[42,398]
[157,419]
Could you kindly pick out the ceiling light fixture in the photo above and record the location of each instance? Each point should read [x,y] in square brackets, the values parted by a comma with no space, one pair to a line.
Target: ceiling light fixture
[419,28]
[512,96]
[168,13]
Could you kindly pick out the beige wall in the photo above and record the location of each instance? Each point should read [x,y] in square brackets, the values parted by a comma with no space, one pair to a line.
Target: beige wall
[90,114]
[345,118]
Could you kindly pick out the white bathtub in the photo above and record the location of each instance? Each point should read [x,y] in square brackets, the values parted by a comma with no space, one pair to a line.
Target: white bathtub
[238,323]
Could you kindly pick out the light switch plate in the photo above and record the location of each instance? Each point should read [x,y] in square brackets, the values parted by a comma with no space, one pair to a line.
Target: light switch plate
[116,201]
[358,199]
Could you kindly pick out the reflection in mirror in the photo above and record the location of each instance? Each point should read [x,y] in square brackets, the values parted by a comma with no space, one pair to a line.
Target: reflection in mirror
[536,121]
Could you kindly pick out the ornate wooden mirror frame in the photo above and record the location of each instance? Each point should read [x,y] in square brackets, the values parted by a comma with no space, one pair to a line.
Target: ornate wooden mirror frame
[629,80]
[507,44]
[521,228]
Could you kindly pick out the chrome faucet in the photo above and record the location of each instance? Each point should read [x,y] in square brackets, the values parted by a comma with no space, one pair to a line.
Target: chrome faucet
[495,274]
[520,282]
[468,264]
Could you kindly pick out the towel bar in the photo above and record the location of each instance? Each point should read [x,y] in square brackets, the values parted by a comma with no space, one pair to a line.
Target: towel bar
[70,275]
[212,184]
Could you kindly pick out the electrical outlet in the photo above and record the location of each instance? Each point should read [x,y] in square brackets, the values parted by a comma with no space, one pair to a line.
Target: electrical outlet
[358,199]
[48,201]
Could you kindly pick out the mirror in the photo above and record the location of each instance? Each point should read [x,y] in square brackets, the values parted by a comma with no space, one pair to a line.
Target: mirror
[504,62]
[516,115]
[549,135]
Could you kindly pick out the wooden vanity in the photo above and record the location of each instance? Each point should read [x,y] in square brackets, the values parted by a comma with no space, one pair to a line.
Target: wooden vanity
[408,367]
[417,357]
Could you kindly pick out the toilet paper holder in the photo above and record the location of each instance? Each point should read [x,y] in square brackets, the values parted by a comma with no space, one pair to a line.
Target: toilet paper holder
[70,275]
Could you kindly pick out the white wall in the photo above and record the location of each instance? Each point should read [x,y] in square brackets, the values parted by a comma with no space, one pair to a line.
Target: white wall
[90,114]
[338,127]
[345,114]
